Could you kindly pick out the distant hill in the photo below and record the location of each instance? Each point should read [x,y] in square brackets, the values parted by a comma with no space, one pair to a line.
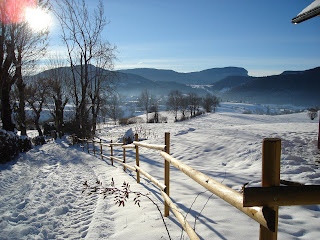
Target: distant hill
[131,84]
[127,84]
[290,87]
[204,77]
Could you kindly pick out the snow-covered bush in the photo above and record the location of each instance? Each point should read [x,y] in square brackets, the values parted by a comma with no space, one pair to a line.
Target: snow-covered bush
[24,143]
[129,136]
[48,127]
[312,113]
[123,121]
[11,145]
[39,140]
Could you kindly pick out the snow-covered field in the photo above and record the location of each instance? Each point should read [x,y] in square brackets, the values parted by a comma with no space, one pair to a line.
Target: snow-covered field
[41,192]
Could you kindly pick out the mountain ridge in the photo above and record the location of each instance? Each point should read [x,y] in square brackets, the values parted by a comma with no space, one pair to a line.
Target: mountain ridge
[295,87]
[203,77]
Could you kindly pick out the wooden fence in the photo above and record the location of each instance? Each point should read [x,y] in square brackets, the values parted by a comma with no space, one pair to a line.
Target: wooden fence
[259,203]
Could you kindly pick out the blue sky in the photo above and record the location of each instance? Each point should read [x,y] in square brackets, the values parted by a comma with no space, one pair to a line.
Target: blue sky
[188,36]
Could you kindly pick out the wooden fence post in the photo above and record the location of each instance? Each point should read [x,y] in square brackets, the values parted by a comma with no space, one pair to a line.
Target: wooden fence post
[101,149]
[111,153]
[136,138]
[167,173]
[124,153]
[271,154]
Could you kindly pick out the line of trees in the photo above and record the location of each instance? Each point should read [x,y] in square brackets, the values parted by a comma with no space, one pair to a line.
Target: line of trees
[86,82]
[82,35]
[176,101]
[20,48]
[192,102]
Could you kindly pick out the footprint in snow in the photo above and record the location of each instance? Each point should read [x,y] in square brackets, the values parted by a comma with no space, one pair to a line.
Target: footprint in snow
[185,131]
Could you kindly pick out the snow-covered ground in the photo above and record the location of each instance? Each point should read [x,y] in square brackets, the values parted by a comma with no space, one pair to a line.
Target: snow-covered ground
[41,192]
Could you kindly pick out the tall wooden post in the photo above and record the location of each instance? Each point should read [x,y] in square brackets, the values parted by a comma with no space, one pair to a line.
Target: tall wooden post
[124,153]
[271,154]
[94,148]
[136,138]
[167,173]
[111,153]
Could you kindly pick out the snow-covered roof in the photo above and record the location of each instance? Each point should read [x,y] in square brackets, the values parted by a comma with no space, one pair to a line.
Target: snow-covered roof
[309,12]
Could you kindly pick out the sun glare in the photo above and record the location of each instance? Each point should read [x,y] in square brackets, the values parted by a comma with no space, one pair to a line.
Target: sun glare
[38,19]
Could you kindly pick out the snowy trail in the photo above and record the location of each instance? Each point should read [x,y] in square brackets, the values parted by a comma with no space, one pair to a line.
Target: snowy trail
[43,195]
[40,193]
[41,198]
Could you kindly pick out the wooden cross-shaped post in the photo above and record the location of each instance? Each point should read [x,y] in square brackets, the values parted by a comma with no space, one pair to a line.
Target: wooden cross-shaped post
[270,196]
[271,154]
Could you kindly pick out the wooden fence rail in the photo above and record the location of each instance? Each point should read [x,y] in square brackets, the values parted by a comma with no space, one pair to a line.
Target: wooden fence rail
[259,203]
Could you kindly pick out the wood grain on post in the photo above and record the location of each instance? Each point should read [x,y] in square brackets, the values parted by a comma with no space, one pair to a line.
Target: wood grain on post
[227,194]
[271,154]
[177,212]
[150,146]
[167,173]
[152,179]
[124,153]
[282,195]
[136,138]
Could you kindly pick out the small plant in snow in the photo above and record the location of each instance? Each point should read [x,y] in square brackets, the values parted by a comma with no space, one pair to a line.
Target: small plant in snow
[121,195]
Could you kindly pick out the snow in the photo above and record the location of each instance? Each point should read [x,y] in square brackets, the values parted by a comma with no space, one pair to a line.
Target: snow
[41,191]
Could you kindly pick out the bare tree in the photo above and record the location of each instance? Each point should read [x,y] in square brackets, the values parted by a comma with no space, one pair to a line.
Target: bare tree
[30,47]
[210,103]
[20,47]
[184,104]
[82,35]
[154,108]
[174,102]
[194,103]
[113,108]
[102,80]
[36,94]
[58,81]
[7,70]
[144,102]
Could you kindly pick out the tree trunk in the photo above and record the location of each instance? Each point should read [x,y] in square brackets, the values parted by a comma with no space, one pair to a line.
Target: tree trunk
[6,111]
[21,108]
[36,122]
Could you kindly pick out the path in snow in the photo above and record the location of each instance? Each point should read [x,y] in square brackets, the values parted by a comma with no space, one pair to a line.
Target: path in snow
[41,198]
[40,195]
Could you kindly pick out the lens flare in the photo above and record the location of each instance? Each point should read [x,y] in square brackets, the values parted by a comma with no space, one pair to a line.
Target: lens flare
[13,11]
[38,19]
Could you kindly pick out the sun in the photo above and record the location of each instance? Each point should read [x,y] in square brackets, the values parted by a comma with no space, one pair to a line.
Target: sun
[38,19]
